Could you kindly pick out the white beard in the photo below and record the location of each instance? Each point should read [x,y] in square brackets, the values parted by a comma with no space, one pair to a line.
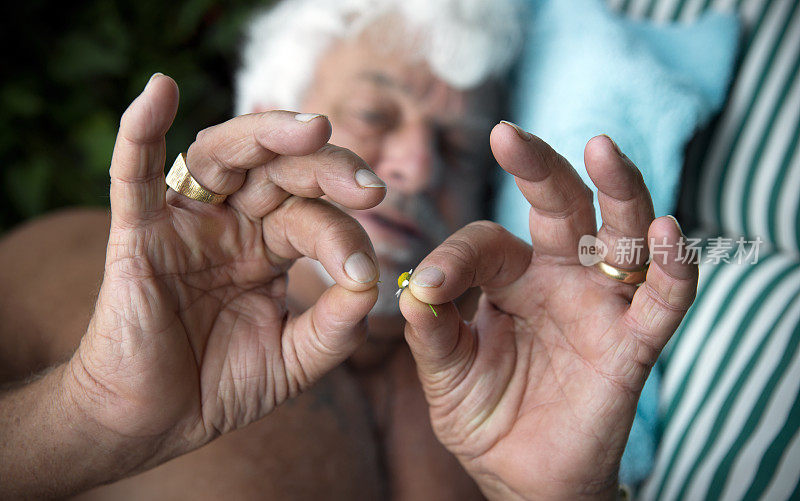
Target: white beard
[387,304]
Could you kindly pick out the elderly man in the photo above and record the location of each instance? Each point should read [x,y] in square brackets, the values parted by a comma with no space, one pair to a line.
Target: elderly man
[210,318]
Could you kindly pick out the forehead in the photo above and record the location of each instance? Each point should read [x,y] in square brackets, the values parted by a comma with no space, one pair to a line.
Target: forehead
[364,66]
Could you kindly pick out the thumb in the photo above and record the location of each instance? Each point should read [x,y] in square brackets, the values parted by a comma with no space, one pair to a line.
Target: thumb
[326,334]
[441,344]
[137,167]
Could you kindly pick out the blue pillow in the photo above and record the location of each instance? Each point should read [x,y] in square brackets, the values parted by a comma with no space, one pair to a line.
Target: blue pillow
[586,71]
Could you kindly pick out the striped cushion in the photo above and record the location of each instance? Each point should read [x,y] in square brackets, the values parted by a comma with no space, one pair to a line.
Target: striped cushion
[730,395]
[749,177]
[730,399]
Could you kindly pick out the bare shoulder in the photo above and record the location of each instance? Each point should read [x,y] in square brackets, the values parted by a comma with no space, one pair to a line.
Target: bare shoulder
[50,271]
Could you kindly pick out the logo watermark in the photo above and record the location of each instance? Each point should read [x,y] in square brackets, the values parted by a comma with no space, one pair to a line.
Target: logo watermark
[591,250]
[631,251]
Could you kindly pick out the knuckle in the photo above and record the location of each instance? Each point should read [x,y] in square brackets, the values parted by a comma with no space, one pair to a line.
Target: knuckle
[465,245]
[331,223]
[332,156]
[206,142]
[334,223]
[480,233]
[329,153]
[267,120]
[489,228]
[679,296]
[459,250]
[125,119]
[199,146]
[634,170]
[555,159]
[204,136]
[340,226]
[132,129]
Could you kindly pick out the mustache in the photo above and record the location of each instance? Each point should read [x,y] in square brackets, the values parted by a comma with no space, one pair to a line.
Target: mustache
[423,211]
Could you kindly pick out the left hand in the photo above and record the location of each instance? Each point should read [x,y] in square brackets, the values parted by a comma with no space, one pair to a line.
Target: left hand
[191,336]
[537,394]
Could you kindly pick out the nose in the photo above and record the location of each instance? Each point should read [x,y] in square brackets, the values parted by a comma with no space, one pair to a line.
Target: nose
[409,162]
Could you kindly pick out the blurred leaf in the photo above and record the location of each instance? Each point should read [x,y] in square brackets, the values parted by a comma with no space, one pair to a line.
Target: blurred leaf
[18,99]
[27,186]
[190,17]
[82,55]
[74,75]
[95,138]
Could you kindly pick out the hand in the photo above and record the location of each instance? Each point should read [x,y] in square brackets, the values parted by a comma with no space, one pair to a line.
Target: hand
[537,394]
[191,337]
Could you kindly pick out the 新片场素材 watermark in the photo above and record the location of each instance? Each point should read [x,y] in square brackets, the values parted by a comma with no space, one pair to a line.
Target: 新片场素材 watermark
[631,250]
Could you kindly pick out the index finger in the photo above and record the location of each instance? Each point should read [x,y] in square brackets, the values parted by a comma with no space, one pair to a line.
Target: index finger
[561,204]
[480,254]
[221,155]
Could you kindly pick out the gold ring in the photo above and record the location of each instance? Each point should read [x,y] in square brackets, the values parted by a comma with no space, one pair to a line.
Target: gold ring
[634,277]
[180,180]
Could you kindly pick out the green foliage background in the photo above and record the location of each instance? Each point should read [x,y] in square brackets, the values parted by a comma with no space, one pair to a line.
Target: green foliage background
[71,70]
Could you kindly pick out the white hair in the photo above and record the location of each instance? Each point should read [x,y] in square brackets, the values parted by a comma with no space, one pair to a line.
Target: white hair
[464,42]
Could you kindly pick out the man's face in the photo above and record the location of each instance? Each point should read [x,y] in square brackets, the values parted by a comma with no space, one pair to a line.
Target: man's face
[427,141]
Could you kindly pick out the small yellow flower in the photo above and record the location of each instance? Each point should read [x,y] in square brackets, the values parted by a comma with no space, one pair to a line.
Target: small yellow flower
[402,283]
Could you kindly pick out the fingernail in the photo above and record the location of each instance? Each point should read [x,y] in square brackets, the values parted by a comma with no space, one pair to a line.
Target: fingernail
[153,77]
[429,277]
[360,268]
[306,117]
[614,144]
[677,224]
[525,135]
[368,179]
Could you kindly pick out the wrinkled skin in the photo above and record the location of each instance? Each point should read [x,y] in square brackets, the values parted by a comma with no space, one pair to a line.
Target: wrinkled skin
[190,337]
[537,393]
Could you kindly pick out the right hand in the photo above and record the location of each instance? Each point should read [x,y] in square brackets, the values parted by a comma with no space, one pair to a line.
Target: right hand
[191,337]
[536,394]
